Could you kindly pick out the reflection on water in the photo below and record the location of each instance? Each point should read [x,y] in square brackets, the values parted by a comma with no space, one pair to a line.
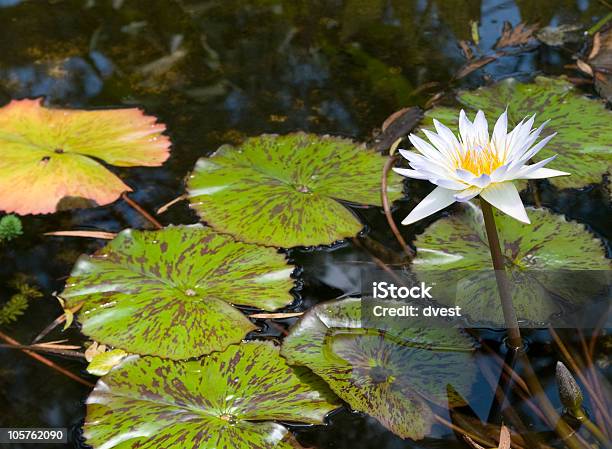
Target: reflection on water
[216,71]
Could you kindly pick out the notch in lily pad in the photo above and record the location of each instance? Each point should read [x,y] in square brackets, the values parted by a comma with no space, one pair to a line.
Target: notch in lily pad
[391,374]
[231,399]
[172,292]
[52,158]
[288,190]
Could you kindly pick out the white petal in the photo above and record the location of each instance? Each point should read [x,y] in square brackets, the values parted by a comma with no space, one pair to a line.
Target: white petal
[536,133]
[447,135]
[542,173]
[536,149]
[424,148]
[416,174]
[523,147]
[411,156]
[511,137]
[465,175]
[445,149]
[482,181]
[449,184]
[499,173]
[517,137]
[465,128]
[526,169]
[481,128]
[422,163]
[499,131]
[432,203]
[467,194]
[505,197]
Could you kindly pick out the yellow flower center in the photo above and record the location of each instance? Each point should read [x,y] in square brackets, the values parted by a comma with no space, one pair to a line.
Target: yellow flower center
[479,160]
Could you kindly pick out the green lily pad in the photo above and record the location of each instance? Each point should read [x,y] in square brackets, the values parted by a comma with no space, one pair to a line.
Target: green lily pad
[287,190]
[169,292]
[391,374]
[227,400]
[584,135]
[102,363]
[50,155]
[453,252]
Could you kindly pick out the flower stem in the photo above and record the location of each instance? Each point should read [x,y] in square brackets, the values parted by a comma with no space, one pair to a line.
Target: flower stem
[503,284]
[595,431]
[387,208]
[515,342]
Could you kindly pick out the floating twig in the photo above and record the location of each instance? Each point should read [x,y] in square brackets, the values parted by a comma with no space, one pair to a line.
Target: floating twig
[90,234]
[42,348]
[45,361]
[169,204]
[275,316]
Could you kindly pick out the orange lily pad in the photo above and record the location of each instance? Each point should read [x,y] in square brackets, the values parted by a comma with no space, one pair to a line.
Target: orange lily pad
[49,154]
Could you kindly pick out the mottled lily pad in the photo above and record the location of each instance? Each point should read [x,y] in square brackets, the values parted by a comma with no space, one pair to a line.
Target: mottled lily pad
[551,263]
[227,400]
[392,374]
[288,190]
[169,292]
[584,135]
[50,155]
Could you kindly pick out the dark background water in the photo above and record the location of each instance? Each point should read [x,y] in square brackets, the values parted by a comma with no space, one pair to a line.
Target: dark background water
[216,72]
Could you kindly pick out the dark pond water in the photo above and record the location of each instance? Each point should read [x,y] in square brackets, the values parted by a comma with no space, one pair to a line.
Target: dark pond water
[217,71]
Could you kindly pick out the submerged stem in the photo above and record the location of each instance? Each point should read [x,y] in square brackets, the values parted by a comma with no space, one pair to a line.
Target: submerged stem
[570,438]
[138,208]
[594,430]
[514,334]
[503,285]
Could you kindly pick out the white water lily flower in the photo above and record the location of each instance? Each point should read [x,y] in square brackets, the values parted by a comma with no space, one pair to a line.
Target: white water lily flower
[475,164]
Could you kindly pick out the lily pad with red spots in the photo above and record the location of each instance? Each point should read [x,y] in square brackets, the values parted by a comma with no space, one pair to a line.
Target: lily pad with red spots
[392,374]
[170,292]
[48,155]
[288,190]
[227,400]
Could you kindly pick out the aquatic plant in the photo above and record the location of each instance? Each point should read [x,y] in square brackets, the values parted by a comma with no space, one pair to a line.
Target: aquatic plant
[393,374]
[288,190]
[582,125]
[13,309]
[49,155]
[171,292]
[476,164]
[10,228]
[230,399]
[539,258]
[18,302]
[165,307]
